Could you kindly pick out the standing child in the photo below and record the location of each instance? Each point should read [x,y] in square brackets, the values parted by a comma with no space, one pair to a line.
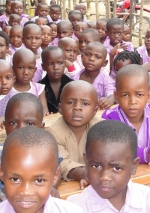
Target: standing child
[14,19]
[41,21]
[53,62]
[94,58]
[82,8]
[42,10]
[132,94]
[32,177]
[24,66]
[46,36]
[79,27]
[55,13]
[64,29]
[110,161]
[53,27]
[7,30]
[101,26]
[75,17]
[126,33]
[5,18]
[4,46]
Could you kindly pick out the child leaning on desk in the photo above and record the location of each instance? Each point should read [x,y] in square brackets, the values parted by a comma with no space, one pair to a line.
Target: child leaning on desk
[110,161]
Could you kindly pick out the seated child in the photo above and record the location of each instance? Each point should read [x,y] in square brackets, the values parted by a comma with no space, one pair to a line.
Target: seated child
[6,30]
[17,8]
[4,46]
[79,27]
[78,106]
[24,67]
[15,39]
[42,10]
[14,19]
[110,159]
[126,33]
[132,94]
[64,29]
[53,62]
[41,21]
[46,36]
[32,39]
[5,18]
[94,58]
[53,27]
[144,50]
[32,177]
[102,29]
[55,13]
[70,48]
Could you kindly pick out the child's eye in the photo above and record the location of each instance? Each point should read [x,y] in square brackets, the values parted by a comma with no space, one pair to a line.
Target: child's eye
[16,180]
[8,77]
[30,124]
[50,64]
[97,166]
[60,62]
[85,104]
[40,180]
[125,95]
[68,51]
[12,122]
[117,168]
[140,95]
[21,67]
[70,102]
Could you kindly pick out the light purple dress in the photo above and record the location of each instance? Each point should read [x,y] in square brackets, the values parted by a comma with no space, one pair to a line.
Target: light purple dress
[143,53]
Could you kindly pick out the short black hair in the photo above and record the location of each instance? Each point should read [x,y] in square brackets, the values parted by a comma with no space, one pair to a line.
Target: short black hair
[55,6]
[30,137]
[41,4]
[102,19]
[5,36]
[50,49]
[29,22]
[94,33]
[75,12]
[111,131]
[50,23]
[114,21]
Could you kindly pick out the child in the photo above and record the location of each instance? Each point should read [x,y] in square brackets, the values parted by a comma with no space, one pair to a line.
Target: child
[14,19]
[52,2]
[82,8]
[126,33]
[41,21]
[144,50]
[15,39]
[132,94]
[24,66]
[64,29]
[32,39]
[78,106]
[94,58]
[53,27]
[102,29]
[55,13]
[32,177]
[91,24]
[126,57]
[5,18]
[53,62]
[79,27]
[7,30]
[110,161]
[4,46]
[75,17]
[42,9]
[46,36]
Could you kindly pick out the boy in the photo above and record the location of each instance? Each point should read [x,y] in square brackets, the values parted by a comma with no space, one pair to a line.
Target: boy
[14,19]
[64,29]
[79,27]
[55,13]
[5,17]
[110,161]
[42,10]
[28,179]
[41,21]
[132,94]
[78,106]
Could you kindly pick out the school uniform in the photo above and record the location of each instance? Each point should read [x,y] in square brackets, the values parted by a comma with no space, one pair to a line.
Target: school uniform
[53,205]
[103,83]
[69,148]
[143,53]
[39,70]
[47,17]
[137,200]
[14,49]
[23,21]
[143,135]
[4,20]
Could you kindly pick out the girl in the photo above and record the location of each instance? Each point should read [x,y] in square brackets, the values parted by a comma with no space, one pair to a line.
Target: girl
[46,36]
[53,26]
[4,45]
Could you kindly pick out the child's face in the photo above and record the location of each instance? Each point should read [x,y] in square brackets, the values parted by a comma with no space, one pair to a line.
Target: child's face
[24,69]
[14,21]
[147,40]
[82,9]
[17,8]
[28,179]
[126,34]
[52,2]
[43,11]
[132,96]
[54,65]
[85,39]
[22,114]
[55,13]
[8,7]
[32,38]
[75,18]
[46,35]
[7,30]
[115,34]
[64,31]
[120,64]
[93,58]
[78,108]
[16,38]
[101,28]
[54,30]
[70,50]
[79,27]
[6,80]
[41,21]
[3,48]
[108,170]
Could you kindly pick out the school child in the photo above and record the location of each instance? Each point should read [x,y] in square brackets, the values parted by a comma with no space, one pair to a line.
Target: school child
[91,24]
[79,27]
[82,8]
[4,46]
[55,13]
[15,39]
[32,177]
[53,62]
[5,18]
[110,158]
[41,21]
[32,39]
[53,27]
[132,94]
[52,2]
[126,33]
[42,10]
[78,106]
[144,50]
[46,36]
[75,17]
[64,29]
[126,57]
[14,19]
[102,29]
[24,67]
[6,30]
[17,8]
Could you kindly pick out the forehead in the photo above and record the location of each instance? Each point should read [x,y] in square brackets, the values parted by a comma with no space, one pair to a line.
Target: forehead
[5,69]
[16,4]
[69,43]
[25,58]
[64,26]
[54,9]
[2,40]
[32,30]
[81,24]
[46,29]
[116,27]
[95,48]
[101,23]
[54,55]
[42,7]
[16,30]
[87,36]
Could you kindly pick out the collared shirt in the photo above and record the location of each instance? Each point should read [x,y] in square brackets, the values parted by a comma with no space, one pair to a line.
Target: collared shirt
[103,83]
[53,205]
[143,53]
[137,200]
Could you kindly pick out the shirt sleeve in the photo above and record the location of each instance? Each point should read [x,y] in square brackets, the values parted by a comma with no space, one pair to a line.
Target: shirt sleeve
[143,154]
[109,86]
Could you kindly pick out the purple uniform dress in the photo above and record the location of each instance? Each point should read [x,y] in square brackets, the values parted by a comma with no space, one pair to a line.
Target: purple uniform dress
[39,70]
[14,49]
[103,83]
[136,201]
[143,53]
[52,205]
[23,21]
[143,135]
[4,20]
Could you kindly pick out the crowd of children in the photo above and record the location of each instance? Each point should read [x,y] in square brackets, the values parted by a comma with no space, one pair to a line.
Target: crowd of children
[75,67]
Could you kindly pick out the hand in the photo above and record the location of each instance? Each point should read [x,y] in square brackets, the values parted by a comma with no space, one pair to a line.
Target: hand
[104,103]
[68,63]
[84,182]
[55,193]
[46,114]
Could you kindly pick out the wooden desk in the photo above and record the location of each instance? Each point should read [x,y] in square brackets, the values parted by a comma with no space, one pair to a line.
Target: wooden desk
[72,187]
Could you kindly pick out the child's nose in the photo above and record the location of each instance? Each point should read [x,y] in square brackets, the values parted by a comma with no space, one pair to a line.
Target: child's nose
[26,189]
[104,176]
[77,106]
[3,81]
[91,58]
[132,100]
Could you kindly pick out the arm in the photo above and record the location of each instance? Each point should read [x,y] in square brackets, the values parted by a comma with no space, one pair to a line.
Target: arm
[42,98]
[77,173]
[105,103]
[144,154]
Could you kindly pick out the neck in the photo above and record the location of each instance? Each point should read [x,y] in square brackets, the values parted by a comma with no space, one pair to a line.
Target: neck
[78,131]
[21,87]
[92,74]
[57,81]
[44,46]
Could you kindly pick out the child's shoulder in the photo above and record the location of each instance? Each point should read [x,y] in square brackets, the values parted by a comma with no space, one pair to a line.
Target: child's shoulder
[6,207]
[111,114]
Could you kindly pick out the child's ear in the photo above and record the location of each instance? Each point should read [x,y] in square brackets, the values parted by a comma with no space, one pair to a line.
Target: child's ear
[149,96]
[116,96]
[105,63]
[56,176]
[59,108]
[135,165]
[96,109]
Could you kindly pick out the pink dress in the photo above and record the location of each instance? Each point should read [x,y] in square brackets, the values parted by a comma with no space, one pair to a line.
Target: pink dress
[143,53]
